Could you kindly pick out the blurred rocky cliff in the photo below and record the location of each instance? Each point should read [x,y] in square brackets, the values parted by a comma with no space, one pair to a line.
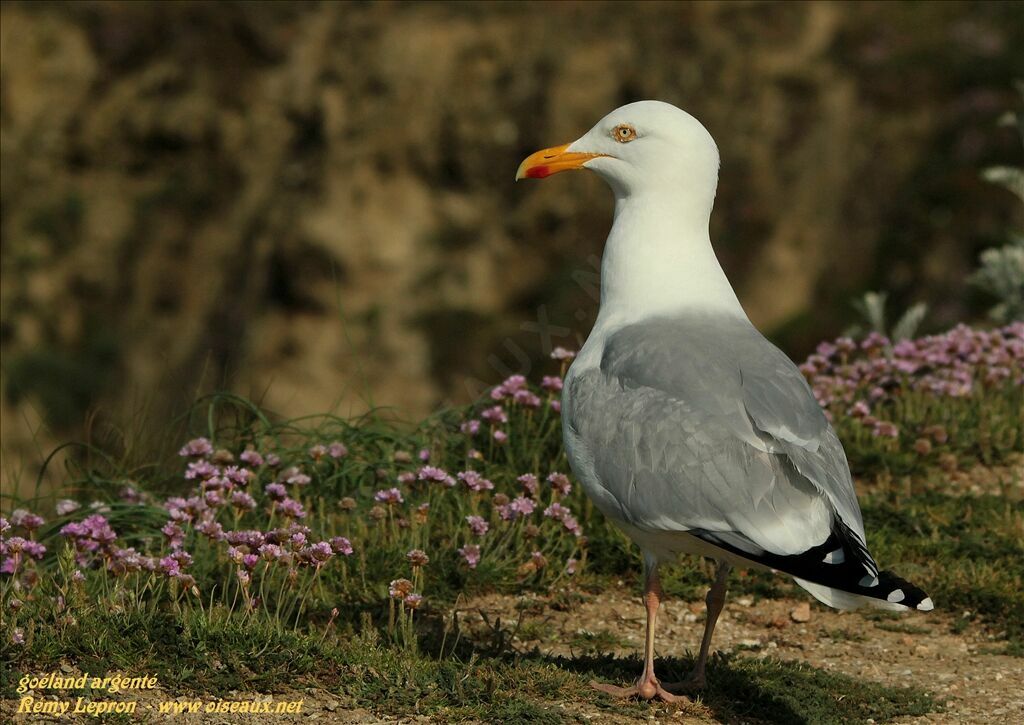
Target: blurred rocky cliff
[312,204]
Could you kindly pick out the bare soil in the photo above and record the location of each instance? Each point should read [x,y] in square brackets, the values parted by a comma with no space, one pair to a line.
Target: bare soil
[964,669]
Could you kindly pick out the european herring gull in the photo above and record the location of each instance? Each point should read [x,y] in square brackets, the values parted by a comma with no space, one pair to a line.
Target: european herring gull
[685,426]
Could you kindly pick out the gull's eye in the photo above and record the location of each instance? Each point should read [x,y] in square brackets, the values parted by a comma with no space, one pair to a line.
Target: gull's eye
[623,133]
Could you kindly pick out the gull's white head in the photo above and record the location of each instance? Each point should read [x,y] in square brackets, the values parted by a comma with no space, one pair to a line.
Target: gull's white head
[662,165]
[640,146]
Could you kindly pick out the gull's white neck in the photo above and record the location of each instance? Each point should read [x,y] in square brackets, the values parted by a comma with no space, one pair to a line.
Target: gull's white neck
[658,260]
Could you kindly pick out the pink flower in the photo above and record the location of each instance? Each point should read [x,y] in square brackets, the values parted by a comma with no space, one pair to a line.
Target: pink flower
[238,476]
[270,552]
[572,525]
[319,552]
[275,491]
[341,545]
[399,588]
[412,601]
[252,457]
[500,436]
[439,475]
[196,448]
[11,552]
[874,341]
[124,561]
[557,511]
[561,354]
[471,553]
[216,483]
[826,349]
[66,506]
[424,455]
[526,398]
[213,499]
[173,565]
[200,469]
[294,476]
[212,530]
[551,383]
[251,539]
[470,427]
[318,451]
[529,484]
[26,519]
[495,415]
[242,500]
[560,482]
[511,385]
[523,506]
[337,450]
[175,535]
[475,482]
[514,383]
[389,496]
[90,534]
[859,409]
[477,525]
[886,430]
[570,566]
[291,508]
[417,557]
[908,367]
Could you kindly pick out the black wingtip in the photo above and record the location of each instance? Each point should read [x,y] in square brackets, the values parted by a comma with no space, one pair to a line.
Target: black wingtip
[895,590]
[842,562]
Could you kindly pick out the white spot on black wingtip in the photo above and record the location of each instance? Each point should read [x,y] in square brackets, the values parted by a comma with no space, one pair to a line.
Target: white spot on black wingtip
[926,605]
[835,557]
[869,581]
[896,595]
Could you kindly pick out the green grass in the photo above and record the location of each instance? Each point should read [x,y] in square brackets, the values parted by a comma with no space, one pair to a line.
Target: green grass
[213,653]
[982,428]
[964,550]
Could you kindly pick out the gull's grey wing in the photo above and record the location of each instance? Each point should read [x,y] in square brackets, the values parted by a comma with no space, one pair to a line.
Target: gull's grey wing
[700,424]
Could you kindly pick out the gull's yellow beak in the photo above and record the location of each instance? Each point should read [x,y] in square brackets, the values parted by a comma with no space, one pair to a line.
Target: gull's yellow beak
[551,161]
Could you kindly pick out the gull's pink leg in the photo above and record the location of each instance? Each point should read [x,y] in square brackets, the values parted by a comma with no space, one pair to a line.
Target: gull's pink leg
[648,686]
[715,601]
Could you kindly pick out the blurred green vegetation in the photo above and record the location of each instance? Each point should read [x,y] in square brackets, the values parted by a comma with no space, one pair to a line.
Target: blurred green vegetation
[208,184]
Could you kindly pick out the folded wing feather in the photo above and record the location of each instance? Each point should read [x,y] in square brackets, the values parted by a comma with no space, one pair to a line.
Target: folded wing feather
[698,423]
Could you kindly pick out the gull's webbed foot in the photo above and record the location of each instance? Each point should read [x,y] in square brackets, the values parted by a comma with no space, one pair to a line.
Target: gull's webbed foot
[648,689]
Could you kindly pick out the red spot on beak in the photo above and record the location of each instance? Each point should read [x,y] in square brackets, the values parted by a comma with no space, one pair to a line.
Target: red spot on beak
[552,161]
